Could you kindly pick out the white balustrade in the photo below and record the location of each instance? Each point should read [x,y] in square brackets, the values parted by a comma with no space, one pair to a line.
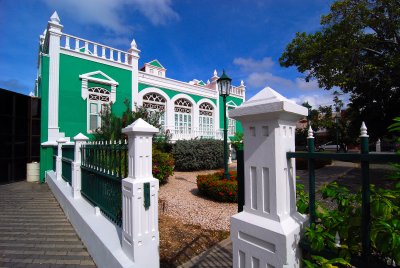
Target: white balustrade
[92,48]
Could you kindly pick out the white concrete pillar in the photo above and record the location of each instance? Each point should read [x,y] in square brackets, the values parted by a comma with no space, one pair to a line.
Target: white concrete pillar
[76,165]
[54,30]
[140,236]
[267,232]
[60,142]
[378,146]
[134,61]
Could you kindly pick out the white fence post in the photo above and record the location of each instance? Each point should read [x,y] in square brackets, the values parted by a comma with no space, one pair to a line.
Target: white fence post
[60,142]
[267,232]
[140,236]
[76,165]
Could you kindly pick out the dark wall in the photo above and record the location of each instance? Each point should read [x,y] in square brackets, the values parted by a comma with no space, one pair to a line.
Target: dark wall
[19,134]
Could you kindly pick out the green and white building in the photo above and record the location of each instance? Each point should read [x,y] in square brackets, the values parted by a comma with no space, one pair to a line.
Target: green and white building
[76,77]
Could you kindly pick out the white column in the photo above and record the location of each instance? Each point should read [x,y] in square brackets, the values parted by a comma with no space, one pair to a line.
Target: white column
[134,56]
[54,31]
[267,232]
[378,146]
[76,165]
[140,235]
[60,142]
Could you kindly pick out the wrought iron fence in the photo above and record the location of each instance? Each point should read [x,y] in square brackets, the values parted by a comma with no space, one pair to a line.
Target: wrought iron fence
[103,166]
[365,159]
[66,162]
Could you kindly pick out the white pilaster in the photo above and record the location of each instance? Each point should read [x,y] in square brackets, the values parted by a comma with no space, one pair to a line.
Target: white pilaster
[134,60]
[140,235]
[54,30]
[76,165]
[60,142]
[267,232]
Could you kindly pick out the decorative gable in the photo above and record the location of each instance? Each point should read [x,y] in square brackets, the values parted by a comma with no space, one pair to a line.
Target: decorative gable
[100,78]
[154,67]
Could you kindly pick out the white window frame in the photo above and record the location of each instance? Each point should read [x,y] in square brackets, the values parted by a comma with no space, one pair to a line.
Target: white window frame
[105,80]
[156,102]
[206,119]
[99,96]
[183,116]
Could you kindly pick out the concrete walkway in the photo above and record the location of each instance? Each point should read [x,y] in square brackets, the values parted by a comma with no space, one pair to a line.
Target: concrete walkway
[34,232]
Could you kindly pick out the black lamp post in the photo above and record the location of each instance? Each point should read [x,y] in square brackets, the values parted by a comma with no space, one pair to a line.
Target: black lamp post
[337,132]
[224,86]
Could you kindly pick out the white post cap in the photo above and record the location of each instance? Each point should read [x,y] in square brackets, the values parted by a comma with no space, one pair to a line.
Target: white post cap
[140,126]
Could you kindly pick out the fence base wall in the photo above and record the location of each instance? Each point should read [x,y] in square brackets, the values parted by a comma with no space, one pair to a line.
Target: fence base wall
[261,242]
[101,237]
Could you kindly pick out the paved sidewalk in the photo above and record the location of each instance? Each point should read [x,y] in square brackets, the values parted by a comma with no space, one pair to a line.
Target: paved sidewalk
[219,255]
[34,232]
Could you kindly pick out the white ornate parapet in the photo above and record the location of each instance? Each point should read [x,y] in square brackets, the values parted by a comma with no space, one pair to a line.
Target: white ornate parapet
[140,236]
[267,232]
[60,142]
[76,165]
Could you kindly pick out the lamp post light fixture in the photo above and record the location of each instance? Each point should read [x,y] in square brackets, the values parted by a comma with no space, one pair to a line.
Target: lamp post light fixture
[224,87]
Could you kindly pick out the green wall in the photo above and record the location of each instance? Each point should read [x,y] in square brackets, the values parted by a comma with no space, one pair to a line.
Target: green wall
[72,108]
[235,100]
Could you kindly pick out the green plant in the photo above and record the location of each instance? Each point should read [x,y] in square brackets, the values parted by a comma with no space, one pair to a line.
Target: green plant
[217,188]
[237,141]
[163,166]
[321,262]
[201,154]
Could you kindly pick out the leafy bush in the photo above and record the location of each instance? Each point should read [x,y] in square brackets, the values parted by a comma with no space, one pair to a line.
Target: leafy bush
[204,154]
[217,188]
[163,166]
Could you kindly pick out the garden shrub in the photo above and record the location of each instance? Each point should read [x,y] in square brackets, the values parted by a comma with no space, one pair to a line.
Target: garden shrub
[204,154]
[163,166]
[217,188]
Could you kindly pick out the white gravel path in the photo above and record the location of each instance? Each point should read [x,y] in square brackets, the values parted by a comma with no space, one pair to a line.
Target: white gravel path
[180,198]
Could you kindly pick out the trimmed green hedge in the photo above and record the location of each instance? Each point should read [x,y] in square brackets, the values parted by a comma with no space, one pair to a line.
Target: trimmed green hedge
[192,155]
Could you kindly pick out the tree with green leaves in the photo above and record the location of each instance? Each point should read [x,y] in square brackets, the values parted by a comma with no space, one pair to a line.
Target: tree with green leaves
[357,50]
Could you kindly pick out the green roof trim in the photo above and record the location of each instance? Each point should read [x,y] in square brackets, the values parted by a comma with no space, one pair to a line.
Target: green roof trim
[156,63]
[201,83]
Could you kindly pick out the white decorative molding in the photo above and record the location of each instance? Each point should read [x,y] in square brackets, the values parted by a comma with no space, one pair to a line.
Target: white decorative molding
[53,36]
[134,67]
[176,85]
[76,165]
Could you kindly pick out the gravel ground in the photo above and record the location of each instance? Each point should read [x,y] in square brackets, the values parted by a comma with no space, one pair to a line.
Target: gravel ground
[180,198]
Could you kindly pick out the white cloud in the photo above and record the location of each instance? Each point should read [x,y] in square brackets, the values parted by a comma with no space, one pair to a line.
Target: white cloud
[303,85]
[250,64]
[315,99]
[106,13]
[262,79]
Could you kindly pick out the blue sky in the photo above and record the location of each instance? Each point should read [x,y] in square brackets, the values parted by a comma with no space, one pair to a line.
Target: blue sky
[190,38]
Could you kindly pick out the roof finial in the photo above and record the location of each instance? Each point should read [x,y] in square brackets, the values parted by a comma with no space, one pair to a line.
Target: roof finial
[55,18]
[215,73]
[133,44]
[241,83]
[310,133]
[208,81]
[363,130]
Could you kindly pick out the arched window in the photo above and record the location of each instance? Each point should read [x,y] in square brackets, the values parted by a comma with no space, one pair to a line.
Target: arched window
[206,119]
[98,97]
[155,102]
[183,115]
